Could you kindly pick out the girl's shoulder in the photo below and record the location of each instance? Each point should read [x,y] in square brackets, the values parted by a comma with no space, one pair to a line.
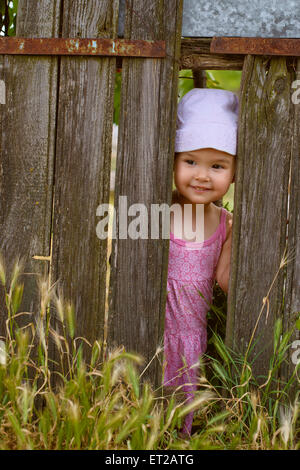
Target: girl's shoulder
[229,216]
[229,219]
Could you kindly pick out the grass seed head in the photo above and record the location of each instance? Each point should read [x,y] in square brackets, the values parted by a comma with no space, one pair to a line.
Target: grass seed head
[286,419]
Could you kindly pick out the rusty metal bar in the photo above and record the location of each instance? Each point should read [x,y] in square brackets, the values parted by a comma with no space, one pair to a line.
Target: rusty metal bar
[255,46]
[82,46]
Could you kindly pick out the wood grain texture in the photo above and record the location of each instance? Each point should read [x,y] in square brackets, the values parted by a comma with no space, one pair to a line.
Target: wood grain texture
[144,175]
[211,62]
[27,150]
[195,46]
[292,291]
[82,170]
[260,207]
[195,54]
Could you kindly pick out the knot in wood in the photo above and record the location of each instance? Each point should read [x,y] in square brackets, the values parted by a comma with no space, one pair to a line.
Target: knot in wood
[279,85]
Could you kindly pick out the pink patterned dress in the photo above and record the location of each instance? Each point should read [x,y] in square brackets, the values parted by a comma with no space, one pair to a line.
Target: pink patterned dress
[191,270]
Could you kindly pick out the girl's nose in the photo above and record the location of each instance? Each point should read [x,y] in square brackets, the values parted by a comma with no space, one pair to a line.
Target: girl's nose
[202,175]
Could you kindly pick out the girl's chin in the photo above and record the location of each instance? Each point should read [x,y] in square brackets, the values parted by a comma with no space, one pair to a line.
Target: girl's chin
[198,200]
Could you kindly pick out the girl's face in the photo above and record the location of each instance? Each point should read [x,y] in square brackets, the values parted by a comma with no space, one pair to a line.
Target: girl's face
[204,175]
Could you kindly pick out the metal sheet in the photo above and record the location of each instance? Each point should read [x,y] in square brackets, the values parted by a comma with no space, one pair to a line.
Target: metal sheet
[252,18]
[261,18]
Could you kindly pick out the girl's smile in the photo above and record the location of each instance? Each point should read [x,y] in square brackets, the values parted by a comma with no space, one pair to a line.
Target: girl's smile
[200,189]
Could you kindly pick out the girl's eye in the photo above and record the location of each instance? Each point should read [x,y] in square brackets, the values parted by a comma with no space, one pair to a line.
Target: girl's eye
[218,166]
[190,162]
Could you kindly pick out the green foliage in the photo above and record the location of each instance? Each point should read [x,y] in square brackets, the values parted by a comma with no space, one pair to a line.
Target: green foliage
[8,17]
[298,322]
[224,79]
[117,96]
[185,82]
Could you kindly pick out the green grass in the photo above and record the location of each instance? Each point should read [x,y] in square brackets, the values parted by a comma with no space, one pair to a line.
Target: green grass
[101,403]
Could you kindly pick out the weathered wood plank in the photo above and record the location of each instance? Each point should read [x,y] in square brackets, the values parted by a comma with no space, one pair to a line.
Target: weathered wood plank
[27,150]
[212,62]
[82,170]
[195,54]
[292,291]
[144,175]
[260,207]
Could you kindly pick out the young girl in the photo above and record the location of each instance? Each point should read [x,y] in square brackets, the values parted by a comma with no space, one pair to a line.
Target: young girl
[205,148]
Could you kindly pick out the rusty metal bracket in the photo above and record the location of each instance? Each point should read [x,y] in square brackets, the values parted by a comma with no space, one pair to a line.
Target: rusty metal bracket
[82,46]
[255,46]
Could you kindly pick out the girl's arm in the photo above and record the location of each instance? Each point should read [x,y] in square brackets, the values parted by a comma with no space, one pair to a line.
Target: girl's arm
[223,266]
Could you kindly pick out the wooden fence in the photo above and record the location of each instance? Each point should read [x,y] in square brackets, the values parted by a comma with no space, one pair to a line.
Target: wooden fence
[260,206]
[56,132]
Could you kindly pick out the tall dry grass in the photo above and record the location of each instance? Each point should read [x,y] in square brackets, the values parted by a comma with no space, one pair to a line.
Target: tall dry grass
[59,400]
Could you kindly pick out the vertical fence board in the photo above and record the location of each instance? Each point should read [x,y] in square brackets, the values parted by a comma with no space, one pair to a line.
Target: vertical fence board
[292,292]
[260,207]
[27,150]
[144,175]
[83,155]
